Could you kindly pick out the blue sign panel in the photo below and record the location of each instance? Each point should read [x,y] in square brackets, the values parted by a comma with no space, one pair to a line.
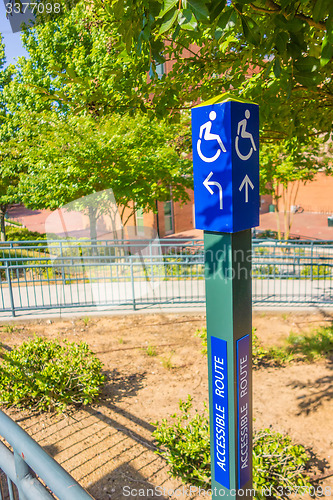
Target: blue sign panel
[243,410]
[220,411]
[225,139]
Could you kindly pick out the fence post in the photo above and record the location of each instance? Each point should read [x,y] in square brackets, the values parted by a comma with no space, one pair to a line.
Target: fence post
[151,261]
[132,282]
[10,289]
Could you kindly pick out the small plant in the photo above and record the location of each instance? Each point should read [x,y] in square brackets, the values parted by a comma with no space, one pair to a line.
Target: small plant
[86,320]
[9,328]
[167,363]
[120,340]
[202,334]
[151,350]
[272,356]
[44,375]
[314,345]
[278,464]
[186,445]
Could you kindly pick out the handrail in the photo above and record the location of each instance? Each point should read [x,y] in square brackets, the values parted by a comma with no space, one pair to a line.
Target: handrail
[28,460]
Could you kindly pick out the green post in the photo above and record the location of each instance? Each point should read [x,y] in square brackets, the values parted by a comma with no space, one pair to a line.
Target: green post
[225,136]
[229,318]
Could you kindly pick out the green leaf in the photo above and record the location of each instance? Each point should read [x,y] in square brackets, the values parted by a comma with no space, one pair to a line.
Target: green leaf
[199,8]
[168,22]
[250,30]
[320,10]
[187,20]
[226,18]
[167,6]
[277,67]
[281,41]
[215,9]
[71,72]
[307,64]
[326,52]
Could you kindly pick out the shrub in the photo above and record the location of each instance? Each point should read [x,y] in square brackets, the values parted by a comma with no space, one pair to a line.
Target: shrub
[311,346]
[23,234]
[44,375]
[277,463]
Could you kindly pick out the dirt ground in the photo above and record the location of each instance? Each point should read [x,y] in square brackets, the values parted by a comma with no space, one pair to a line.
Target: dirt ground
[109,447]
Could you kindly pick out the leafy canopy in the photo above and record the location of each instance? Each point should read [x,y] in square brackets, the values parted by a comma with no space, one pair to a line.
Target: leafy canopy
[78,156]
[278,53]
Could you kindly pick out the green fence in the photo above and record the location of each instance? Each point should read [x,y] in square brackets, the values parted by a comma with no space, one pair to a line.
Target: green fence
[139,273]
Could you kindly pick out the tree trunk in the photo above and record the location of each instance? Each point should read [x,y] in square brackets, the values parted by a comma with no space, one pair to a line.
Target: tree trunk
[3,209]
[92,223]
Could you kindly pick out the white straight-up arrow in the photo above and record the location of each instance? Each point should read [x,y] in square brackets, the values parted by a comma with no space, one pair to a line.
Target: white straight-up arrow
[207,185]
[246,182]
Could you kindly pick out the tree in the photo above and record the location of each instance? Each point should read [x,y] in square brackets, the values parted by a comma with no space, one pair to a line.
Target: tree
[72,157]
[10,166]
[74,67]
[278,53]
[283,167]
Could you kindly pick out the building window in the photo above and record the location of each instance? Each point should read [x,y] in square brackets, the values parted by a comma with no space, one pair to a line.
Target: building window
[168,217]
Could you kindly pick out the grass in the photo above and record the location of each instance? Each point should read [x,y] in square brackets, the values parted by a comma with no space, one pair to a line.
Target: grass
[167,363]
[86,320]
[151,350]
[312,346]
[306,347]
[9,328]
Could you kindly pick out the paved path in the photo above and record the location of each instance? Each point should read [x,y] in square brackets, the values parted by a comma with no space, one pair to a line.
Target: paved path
[165,294]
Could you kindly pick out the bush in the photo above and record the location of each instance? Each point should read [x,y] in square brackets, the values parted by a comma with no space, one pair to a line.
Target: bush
[312,346]
[44,375]
[277,463]
[23,234]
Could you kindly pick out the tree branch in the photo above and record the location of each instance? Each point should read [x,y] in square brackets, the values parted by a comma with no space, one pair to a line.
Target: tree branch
[274,8]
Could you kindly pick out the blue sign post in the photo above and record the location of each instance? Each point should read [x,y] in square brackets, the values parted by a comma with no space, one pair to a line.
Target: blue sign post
[225,137]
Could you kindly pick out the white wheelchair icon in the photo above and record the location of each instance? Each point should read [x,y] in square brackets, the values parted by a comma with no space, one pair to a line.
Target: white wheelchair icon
[208,136]
[245,135]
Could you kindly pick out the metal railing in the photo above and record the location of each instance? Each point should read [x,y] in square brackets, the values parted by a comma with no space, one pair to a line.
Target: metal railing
[75,273]
[22,469]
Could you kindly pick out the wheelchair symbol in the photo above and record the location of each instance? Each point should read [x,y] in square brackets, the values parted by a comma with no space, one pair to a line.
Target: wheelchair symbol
[208,136]
[245,135]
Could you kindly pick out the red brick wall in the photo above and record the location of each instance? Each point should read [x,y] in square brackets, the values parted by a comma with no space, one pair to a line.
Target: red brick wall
[317,195]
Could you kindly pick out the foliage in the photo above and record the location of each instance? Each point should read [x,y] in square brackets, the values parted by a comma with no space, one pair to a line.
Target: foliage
[151,350]
[44,375]
[278,464]
[186,444]
[312,346]
[286,164]
[278,53]
[23,234]
[77,156]
[10,167]
[268,356]
[202,334]
[74,66]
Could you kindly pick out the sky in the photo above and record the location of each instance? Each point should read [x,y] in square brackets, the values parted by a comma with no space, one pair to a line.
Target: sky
[14,47]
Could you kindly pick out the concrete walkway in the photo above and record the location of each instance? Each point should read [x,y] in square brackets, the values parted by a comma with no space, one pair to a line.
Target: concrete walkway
[37,300]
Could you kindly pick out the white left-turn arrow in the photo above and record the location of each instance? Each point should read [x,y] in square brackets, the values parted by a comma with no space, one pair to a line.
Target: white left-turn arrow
[207,185]
[246,182]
